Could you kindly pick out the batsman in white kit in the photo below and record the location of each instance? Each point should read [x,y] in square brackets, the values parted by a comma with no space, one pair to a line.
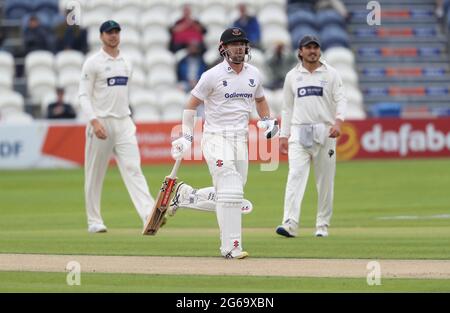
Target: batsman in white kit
[229,92]
[104,99]
[313,111]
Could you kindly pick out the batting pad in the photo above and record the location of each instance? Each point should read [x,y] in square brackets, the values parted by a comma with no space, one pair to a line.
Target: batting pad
[229,201]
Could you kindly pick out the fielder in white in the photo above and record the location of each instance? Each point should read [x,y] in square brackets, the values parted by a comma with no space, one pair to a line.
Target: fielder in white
[104,99]
[229,91]
[313,111]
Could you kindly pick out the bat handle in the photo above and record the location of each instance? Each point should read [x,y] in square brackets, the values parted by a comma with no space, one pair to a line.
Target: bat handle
[173,174]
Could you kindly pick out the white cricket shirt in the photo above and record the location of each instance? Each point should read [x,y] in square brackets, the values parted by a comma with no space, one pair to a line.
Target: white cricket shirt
[104,83]
[311,98]
[228,97]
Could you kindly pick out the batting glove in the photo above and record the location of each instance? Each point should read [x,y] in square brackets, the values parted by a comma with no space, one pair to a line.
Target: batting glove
[270,125]
[180,146]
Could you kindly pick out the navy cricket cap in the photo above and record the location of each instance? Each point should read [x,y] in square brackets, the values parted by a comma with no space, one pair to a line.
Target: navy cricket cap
[109,25]
[232,35]
[306,40]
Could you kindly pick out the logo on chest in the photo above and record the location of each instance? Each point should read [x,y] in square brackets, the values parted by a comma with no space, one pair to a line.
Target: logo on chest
[117,81]
[309,91]
[251,82]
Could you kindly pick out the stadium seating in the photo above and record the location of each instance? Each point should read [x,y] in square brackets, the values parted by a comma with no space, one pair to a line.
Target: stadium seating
[40,83]
[156,16]
[69,60]
[15,9]
[69,79]
[159,56]
[134,55]
[161,77]
[386,109]
[39,60]
[11,103]
[274,33]
[8,70]
[272,15]
[332,36]
[155,36]
[138,79]
[215,15]
[301,17]
[330,17]
[144,106]
[340,55]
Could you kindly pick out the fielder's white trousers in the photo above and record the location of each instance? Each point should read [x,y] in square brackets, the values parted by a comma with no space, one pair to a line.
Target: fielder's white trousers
[227,158]
[122,143]
[324,159]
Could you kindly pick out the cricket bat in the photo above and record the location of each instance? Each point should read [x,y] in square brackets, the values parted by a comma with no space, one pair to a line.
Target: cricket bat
[155,220]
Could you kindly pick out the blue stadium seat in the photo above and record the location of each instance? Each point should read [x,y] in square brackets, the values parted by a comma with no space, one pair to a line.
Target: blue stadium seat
[440,112]
[293,6]
[46,10]
[300,31]
[301,17]
[329,17]
[386,109]
[334,36]
[15,9]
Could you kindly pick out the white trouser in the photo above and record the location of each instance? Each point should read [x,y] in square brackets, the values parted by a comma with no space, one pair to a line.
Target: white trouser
[323,157]
[122,143]
[227,158]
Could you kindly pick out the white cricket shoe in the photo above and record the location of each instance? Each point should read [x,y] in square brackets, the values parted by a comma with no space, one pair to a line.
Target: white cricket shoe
[97,228]
[288,229]
[239,256]
[322,231]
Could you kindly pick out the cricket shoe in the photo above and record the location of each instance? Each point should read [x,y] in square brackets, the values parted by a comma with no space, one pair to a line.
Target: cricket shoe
[181,195]
[288,229]
[322,231]
[97,228]
[241,255]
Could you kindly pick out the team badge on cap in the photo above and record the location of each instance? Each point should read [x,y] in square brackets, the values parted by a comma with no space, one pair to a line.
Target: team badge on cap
[236,32]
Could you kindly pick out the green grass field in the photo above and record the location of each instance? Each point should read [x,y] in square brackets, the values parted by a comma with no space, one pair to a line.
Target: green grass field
[383,210]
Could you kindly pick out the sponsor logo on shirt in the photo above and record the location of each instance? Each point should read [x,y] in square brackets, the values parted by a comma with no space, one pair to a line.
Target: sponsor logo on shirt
[117,81]
[238,95]
[309,91]
[224,82]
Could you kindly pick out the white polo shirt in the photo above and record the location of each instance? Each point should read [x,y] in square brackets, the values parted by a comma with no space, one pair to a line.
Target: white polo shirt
[311,98]
[228,97]
[104,83]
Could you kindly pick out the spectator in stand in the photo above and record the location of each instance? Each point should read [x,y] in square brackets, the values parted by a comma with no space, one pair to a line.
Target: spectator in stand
[60,109]
[185,31]
[2,38]
[36,37]
[280,62]
[191,67]
[439,10]
[70,36]
[249,24]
